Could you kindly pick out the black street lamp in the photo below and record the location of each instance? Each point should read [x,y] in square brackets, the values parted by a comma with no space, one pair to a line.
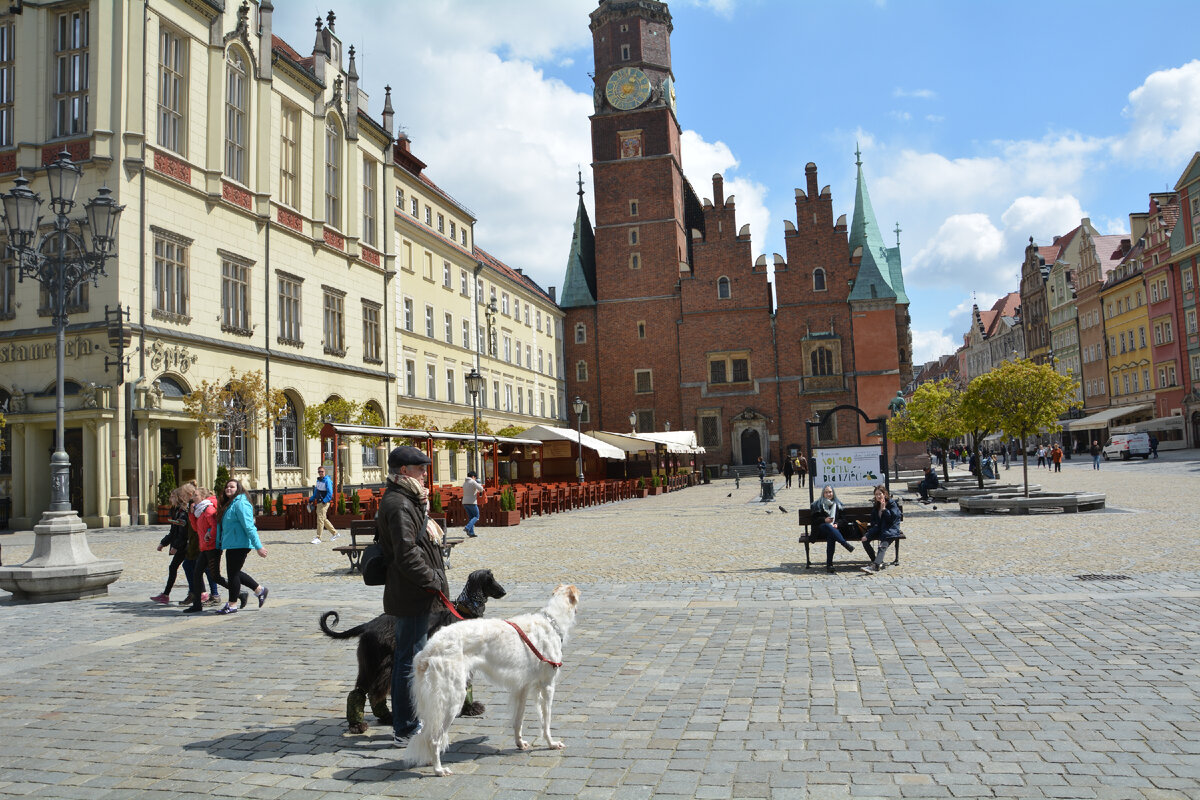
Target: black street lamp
[577,406]
[475,384]
[61,261]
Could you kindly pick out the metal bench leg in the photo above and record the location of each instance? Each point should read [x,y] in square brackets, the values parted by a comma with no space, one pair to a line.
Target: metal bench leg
[897,561]
[807,560]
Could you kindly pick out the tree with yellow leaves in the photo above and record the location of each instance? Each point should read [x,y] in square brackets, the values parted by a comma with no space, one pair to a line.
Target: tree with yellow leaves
[240,403]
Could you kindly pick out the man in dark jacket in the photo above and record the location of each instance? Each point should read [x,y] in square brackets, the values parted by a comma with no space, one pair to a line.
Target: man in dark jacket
[930,481]
[416,575]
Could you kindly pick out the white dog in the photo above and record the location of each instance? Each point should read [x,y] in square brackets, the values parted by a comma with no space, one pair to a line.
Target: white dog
[496,650]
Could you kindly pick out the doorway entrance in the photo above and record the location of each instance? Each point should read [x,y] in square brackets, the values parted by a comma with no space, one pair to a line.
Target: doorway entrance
[751,446]
[73,444]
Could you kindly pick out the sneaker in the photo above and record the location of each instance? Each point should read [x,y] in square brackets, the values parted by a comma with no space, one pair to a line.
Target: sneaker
[204,597]
[316,540]
[242,598]
[336,535]
[870,569]
[187,601]
[227,609]
[161,598]
[213,600]
[262,598]
[402,741]
[193,610]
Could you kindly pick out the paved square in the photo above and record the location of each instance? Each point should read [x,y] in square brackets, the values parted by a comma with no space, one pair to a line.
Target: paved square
[706,662]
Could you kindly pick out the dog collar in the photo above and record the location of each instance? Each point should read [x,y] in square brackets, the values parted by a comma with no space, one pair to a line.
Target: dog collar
[553,624]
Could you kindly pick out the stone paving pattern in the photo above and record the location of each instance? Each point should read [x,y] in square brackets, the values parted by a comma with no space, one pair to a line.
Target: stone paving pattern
[706,661]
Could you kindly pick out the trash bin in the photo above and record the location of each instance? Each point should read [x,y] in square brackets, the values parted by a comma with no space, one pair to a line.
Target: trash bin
[768,491]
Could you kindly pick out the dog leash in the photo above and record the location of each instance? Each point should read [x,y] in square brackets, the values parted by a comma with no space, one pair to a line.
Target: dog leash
[529,644]
[450,606]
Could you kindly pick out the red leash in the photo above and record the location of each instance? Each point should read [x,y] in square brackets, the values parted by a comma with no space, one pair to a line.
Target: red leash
[446,602]
[529,644]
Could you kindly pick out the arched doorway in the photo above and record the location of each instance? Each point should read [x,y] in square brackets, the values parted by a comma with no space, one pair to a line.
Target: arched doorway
[751,446]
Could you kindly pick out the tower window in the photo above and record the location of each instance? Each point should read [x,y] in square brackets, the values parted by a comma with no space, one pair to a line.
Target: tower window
[723,288]
[633,208]
[633,235]
[635,261]
[818,280]
[641,330]
[624,52]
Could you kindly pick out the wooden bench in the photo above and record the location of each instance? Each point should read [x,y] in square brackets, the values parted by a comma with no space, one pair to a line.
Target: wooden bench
[362,533]
[851,513]
[448,544]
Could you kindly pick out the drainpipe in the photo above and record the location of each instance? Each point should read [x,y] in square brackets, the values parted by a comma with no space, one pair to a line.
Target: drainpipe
[267,341]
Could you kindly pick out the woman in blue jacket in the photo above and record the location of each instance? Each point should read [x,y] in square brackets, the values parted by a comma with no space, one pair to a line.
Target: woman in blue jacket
[237,536]
[885,526]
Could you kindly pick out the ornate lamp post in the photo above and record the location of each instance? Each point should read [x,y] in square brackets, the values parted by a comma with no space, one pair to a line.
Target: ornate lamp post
[62,566]
[577,406]
[475,384]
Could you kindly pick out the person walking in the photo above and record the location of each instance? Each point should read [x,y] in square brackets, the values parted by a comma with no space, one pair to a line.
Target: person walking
[1056,457]
[177,540]
[322,496]
[825,510]
[1153,445]
[237,536]
[788,470]
[416,576]
[472,494]
[1095,451]
[762,469]
[203,517]
[801,470]
[1041,456]
[885,526]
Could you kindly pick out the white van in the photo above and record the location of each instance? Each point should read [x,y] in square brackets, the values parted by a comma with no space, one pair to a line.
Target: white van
[1127,445]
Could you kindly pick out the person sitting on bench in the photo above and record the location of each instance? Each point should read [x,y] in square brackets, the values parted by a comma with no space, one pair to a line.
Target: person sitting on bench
[930,481]
[824,520]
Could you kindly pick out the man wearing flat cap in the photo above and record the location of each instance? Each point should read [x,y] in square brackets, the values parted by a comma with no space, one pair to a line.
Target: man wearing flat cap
[416,574]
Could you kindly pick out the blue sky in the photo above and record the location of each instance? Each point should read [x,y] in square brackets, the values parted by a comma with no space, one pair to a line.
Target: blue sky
[981,123]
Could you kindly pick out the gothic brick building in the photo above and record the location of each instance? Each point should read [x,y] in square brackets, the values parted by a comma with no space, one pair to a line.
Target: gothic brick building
[669,317]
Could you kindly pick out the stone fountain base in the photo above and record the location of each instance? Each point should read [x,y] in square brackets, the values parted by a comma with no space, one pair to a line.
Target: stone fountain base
[62,566]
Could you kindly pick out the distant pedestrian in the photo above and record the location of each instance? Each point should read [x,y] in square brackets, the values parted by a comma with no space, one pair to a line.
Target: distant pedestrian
[801,470]
[1095,451]
[472,494]
[1153,445]
[322,496]
[762,469]
[1056,457]
[1041,456]
[177,540]
[788,471]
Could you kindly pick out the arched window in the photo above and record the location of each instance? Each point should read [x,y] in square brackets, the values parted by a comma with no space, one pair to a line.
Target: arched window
[171,387]
[333,173]
[287,454]
[580,333]
[581,371]
[372,415]
[723,288]
[818,280]
[822,361]
[235,116]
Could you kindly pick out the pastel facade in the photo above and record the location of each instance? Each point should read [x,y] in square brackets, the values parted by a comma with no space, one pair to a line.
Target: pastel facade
[1098,257]
[1185,260]
[1126,326]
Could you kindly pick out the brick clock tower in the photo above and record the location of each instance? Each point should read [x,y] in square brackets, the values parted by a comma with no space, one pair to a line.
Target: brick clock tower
[640,236]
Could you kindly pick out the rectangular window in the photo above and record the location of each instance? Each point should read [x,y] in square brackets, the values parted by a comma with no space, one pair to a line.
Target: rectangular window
[537,319]
[710,432]
[410,378]
[541,360]
[446,274]
[428,215]
[71,72]
[1167,335]
[429,321]
[450,386]
[333,175]
[508,349]
[369,195]
[235,117]
[448,326]
[741,370]
[508,397]
[496,394]
[416,207]
[466,334]
[235,297]
[642,381]
[231,446]
[633,208]
[400,199]
[408,314]
[463,283]
[431,381]
[479,338]
[441,223]
[335,322]
[1196,368]
[520,401]
[1141,337]
[172,90]
[453,231]
[1185,274]
[504,304]
[1190,320]
[428,267]
[289,310]
[529,356]
[289,156]
[370,317]
[716,371]
[517,308]
[8,69]
[170,277]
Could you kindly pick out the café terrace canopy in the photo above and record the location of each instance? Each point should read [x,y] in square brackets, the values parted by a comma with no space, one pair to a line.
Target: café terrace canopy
[417,433]
[671,441]
[1102,419]
[545,433]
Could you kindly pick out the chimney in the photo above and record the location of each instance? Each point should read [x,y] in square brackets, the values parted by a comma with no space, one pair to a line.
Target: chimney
[718,190]
[265,10]
[810,172]
[553,295]
[389,116]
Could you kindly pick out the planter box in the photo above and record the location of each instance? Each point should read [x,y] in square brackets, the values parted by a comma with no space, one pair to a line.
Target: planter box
[508,518]
[641,492]
[164,515]
[342,521]
[656,490]
[271,523]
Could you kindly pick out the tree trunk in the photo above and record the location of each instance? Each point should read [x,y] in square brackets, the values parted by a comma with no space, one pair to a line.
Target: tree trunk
[1025,464]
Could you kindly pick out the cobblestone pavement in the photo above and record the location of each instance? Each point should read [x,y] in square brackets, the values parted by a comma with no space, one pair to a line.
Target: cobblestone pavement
[706,662]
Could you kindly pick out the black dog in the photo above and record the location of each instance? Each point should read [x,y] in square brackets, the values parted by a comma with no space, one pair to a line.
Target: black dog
[378,641]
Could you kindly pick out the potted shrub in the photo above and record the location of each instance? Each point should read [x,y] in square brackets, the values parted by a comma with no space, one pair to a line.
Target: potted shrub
[508,514]
[657,487]
[642,491]
[437,511]
[342,517]
[269,521]
[166,485]
[279,508]
[222,479]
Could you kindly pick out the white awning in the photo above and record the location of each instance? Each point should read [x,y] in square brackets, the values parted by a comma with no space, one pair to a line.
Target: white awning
[545,433]
[1148,426]
[675,441]
[1101,419]
[345,429]
[627,442]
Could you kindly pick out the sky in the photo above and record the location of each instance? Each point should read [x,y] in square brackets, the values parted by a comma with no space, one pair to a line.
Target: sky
[980,123]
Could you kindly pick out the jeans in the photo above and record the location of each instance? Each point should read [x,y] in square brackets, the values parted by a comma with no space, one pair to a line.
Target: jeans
[833,537]
[472,510]
[208,563]
[878,557]
[411,633]
[1096,462]
[235,559]
[923,488]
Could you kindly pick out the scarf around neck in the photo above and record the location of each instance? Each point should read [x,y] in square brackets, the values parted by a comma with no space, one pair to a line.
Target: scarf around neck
[411,486]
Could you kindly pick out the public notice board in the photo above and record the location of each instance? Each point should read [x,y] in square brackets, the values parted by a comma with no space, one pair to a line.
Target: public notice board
[846,466]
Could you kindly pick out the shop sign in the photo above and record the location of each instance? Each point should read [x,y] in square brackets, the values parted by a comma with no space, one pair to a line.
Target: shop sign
[170,357]
[846,466]
[76,347]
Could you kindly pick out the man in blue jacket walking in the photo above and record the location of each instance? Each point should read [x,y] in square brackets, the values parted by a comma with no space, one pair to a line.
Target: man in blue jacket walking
[321,497]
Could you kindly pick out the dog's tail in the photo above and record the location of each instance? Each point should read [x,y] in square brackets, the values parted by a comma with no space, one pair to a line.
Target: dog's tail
[347,634]
[438,687]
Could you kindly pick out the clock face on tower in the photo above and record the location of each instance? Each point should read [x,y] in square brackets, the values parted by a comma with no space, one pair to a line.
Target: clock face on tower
[627,88]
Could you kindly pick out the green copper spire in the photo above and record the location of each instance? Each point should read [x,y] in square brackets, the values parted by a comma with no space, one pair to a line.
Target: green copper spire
[579,288]
[875,270]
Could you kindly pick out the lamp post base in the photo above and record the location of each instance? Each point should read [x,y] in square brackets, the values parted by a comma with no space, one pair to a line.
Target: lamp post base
[62,566]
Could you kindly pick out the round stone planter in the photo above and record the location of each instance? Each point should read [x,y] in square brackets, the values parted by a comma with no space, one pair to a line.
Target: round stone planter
[1018,503]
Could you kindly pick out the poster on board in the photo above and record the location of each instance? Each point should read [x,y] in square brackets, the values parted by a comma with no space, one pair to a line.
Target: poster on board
[846,466]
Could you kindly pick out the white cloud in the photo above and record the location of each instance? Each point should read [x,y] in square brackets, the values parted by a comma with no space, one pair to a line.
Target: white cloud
[1042,217]
[902,116]
[923,94]
[1164,114]
[929,345]
[961,245]
[934,118]
[701,160]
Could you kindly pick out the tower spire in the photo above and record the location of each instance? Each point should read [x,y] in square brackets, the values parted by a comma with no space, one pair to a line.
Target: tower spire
[580,181]
[857,155]
[898,233]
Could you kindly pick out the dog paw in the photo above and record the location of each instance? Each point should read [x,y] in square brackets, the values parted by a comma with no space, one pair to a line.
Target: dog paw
[358,727]
[522,744]
[442,772]
[557,745]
